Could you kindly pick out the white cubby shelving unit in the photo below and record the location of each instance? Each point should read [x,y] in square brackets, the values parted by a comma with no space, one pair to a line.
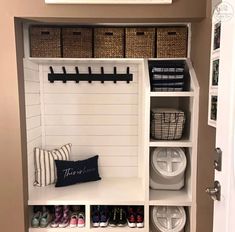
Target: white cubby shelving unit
[188,101]
[111,120]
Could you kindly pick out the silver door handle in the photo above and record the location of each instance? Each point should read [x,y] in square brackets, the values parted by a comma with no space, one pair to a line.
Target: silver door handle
[215,193]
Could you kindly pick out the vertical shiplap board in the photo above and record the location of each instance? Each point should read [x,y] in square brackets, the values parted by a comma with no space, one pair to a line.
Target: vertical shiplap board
[33,113]
[96,118]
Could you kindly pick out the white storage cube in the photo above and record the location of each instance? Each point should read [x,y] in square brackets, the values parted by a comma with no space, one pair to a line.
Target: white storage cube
[168,218]
[167,168]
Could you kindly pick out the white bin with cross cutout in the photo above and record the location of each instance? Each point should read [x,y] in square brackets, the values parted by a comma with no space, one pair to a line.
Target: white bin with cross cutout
[167,169]
[168,218]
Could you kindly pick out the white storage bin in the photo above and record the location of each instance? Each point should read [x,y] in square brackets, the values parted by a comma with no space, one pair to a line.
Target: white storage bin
[167,168]
[168,218]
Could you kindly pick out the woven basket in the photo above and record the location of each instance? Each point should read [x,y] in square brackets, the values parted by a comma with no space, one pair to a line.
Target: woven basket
[109,42]
[172,42]
[77,42]
[45,41]
[167,124]
[140,42]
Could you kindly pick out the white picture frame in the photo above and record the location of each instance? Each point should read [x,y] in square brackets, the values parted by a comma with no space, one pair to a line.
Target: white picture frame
[108,1]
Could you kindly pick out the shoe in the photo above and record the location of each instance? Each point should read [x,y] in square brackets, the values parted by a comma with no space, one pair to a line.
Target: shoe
[131,217]
[140,217]
[73,220]
[64,222]
[122,217]
[35,221]
[114,217]
[58,216]
[95,216]
[45,219]
[104,216]
[81,220]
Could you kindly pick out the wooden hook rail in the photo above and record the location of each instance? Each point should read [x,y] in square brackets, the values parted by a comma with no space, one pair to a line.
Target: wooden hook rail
[90,77]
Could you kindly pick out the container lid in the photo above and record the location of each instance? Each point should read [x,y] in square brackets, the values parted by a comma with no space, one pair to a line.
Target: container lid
[169,162]
[169,218]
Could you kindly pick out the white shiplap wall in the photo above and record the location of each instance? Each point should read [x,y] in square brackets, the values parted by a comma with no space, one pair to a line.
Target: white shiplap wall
[33,113]
[96,118]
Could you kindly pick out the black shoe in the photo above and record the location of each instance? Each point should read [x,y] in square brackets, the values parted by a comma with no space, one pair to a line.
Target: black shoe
[114,217]
[122,221]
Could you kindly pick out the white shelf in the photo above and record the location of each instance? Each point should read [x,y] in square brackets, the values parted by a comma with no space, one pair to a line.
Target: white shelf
[118,191]
[108,2]
[83,60]
[172,198]
[117,229]
[167,143]
[68,229]
[172,94]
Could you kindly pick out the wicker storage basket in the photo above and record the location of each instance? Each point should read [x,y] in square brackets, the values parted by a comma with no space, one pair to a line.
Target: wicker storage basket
[45,41]
[140,42]
[167,124]
[172,42]
[77,42]
[109,42]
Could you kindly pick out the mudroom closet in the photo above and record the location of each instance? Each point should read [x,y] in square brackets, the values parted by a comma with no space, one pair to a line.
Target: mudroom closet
[122,102]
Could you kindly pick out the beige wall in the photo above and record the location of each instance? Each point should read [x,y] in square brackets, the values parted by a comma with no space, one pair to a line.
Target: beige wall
[12,153]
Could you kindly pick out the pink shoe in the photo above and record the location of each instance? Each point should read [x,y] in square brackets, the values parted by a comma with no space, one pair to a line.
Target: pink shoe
[73,220]
[81,219]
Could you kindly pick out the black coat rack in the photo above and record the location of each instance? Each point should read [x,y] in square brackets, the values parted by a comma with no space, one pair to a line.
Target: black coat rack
[77,77]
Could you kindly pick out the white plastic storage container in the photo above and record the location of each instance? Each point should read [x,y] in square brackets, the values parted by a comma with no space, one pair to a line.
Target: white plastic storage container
[167,168]
[168,218]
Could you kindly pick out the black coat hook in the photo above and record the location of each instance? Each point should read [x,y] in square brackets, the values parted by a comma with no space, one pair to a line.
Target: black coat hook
[64,71]
[115,72]
[128,72]
[77,72]
[102,72]
[89,71]
[52,72]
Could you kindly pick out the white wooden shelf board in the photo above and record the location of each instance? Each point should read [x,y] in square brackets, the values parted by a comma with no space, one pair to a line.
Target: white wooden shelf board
[172,94]
[84,60]
[110,191]
[167,143]
[76,229]
[108,1]
[68,229]
[117,229]
[172,198]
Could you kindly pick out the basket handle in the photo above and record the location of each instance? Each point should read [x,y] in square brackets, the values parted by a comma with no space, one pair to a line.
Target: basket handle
[45,33]
[171,33]
[109,33]
[170,119]
[77,32]
[140,33]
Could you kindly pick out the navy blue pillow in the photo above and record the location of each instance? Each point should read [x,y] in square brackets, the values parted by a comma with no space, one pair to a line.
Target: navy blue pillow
[73,172]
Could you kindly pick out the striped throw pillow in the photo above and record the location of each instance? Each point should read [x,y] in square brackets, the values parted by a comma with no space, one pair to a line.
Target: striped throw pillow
[45,168]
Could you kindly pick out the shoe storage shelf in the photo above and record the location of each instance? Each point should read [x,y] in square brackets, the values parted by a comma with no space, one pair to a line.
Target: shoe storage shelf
[111,119]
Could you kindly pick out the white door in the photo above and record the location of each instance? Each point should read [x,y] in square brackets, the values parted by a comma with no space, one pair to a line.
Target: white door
[224,210]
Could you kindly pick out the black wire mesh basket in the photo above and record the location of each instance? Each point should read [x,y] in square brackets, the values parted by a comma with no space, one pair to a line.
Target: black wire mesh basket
[167,124]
